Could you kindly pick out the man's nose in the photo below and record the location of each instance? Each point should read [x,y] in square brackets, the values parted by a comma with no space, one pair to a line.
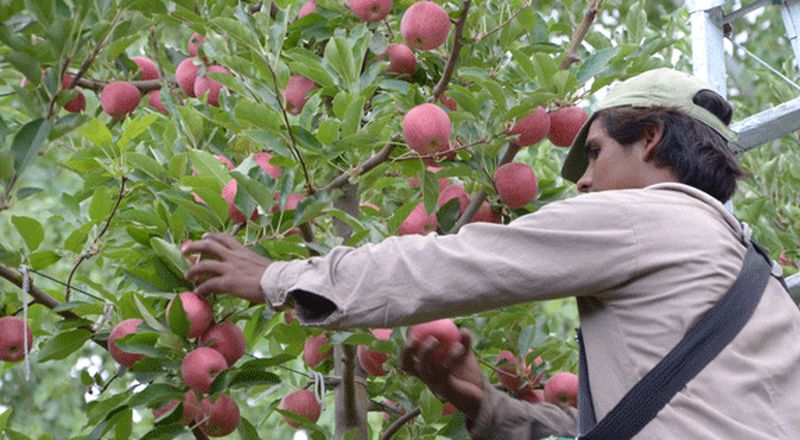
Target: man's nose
[585,182]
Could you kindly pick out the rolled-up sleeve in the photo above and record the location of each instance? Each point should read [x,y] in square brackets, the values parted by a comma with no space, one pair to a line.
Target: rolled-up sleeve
[577,247]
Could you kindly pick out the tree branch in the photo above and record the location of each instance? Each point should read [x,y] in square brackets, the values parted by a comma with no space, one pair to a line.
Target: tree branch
[571,55]
[93,247]
[362,169]
[439,89]
[39,296]
[394,427]
[480,37]
[143,86]
[295,150]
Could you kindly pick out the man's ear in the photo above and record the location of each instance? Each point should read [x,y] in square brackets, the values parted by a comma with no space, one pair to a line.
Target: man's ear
[652,137]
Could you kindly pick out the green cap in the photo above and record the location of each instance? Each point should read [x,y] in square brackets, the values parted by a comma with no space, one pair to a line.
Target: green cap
[655,88]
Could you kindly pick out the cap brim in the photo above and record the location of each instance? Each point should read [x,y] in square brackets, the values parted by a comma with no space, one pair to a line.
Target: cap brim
[576,162]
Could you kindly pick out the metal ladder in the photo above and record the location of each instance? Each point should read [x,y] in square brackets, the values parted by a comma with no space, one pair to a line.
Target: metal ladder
[708,60]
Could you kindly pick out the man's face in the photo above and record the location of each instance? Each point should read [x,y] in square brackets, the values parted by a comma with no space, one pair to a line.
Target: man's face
[612,166]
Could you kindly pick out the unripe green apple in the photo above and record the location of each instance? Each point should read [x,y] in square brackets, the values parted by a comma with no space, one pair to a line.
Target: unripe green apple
[425,26]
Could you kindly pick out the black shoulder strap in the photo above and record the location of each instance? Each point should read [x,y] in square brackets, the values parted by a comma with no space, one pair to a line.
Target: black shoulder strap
[700,346]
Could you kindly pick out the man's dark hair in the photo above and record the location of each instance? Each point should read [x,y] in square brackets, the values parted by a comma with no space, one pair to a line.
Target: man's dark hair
[698,155]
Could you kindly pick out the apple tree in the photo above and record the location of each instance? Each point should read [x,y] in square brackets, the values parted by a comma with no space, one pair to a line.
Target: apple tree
[130,127]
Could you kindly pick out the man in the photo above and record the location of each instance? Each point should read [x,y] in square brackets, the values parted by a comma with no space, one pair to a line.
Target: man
[647,251]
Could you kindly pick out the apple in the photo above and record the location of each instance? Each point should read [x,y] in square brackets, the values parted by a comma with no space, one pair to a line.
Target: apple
[200,367]
[229,194]
[372,361]
[262,160]
[76,104]
[186,74]
[531,395]
[204,84]
[532,128]
[565,123]
[510,371]
[418,222]
[296,93]
[191,408]
[516,184]
[14,332]
[292,200]
[119,99]
[198,312]
[425,26]
[444,331]
[124,328]
[449,409]
[154,101]
[220,417]
[147,68]
[426,128]
[413,182]
[451,192]
[288,316]
[308,7]
[312,350]
[227,338]
[195,41]
[486,214]
[401,59]
[562,390]
[371,10]
[303,403]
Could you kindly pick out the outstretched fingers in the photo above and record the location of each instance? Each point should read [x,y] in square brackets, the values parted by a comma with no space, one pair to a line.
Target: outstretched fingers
[226,240]
[208,248]
[205,269]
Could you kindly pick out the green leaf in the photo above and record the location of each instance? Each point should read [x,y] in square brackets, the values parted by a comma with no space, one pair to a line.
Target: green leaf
[267,362]
[430,190]
[146,164]
[155,393]
[25,63]
[100,409]
[64,344]
[178,321]
[165,432]
[339,55]
[102,203]
[170,255]
[4,418]
[208,165]
[6,164]
[135,127]
[43,259]
[399,216]
[28,142]
[595,63]
[238,31]
[30,230]
[97,133]
[247,431]
[255,189]
[148,317]
[209,217]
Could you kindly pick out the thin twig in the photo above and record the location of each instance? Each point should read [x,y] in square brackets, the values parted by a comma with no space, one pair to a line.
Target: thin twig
[572,53]
[38,295]
[295,150]
[478,199]
[437,154]
[371,163]
[144,86]
[93,247]
[439,89]
[480,37]
[394,427]
[57,281]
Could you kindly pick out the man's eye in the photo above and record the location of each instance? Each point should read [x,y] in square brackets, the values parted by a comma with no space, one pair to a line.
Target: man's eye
[593,153]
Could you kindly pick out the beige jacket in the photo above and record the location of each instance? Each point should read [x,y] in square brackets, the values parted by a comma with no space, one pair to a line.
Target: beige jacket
[644,264]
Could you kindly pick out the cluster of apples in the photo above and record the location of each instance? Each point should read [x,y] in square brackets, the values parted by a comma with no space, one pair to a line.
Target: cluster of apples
[15,334]
[218,346]
[515,374]
[424,26]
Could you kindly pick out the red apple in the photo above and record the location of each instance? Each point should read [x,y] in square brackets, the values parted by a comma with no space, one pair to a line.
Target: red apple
[147,68]
[565,123]
[303,403]
[532,128]
[486,214]
[262,159]
[312,350]
[444,331]
[200,367]
[296,93]
[195,41]
[531,395]
[425,25]
[371,10]
[154,101]
[451,192]
[14,332]
[516,184]
[418,222]
[186,74]
[123,329]
[198,312]
[413,182]
[220,417]
[372,361]
[308,7]
[76,104]
[205,84]
[426,128]
[229,194]
[191,408]
[562,390]
[449,409]
[227,338]
[401,59]
[120,99]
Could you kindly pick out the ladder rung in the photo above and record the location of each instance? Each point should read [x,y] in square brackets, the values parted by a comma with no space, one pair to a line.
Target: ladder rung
[768,125]
[793,282]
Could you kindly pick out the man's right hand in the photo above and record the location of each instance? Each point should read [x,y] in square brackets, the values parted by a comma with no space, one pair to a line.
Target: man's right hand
[229,268]
[458,379]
